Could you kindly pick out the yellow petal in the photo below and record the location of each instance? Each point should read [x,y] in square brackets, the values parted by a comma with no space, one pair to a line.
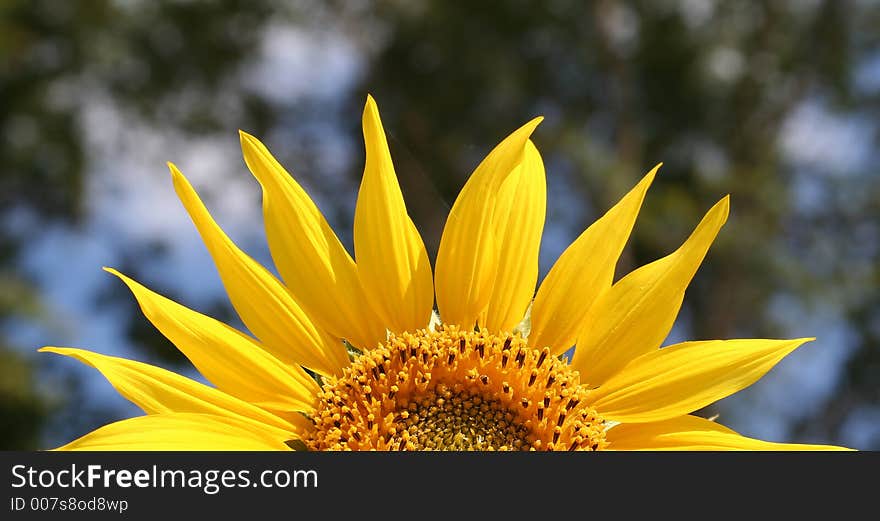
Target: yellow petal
[682,378]
[392,262]
[692,433]
[181,431]
[469,250]
[635,315]
[158,391]
[263,303]
[229,359]
[582,273]
[518,221]
[313,263]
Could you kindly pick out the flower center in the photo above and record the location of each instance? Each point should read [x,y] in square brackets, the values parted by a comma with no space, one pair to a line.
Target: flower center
[455,419]
[455,390]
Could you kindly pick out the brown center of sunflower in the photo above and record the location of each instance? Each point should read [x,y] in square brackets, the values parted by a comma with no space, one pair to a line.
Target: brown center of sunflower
[455,390]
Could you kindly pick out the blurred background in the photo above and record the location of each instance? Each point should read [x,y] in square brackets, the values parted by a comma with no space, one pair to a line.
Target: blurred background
[773,102]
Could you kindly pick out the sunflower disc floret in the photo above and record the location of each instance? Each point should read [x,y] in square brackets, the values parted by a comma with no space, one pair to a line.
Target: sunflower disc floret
[456,390]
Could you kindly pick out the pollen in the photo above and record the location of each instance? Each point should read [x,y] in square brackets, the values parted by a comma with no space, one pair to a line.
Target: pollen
[450,389]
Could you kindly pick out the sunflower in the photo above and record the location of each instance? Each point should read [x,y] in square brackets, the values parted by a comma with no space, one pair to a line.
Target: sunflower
[349,355]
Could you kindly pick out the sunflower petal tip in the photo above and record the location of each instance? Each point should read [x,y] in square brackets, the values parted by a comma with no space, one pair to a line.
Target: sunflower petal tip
[116,273]
[180,181]
[247,140]
[652,173]
[524,132]
[176,174]
[371,112]
[723,206]
[64,351]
